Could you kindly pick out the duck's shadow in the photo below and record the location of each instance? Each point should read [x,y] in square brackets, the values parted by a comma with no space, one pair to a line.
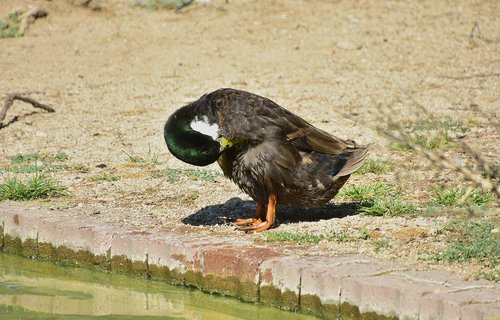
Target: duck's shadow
[236,208]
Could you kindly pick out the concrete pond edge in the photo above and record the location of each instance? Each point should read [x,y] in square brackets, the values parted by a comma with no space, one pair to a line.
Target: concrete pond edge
[343,286]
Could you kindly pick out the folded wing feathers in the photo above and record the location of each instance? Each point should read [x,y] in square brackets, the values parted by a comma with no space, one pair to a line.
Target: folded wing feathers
[355,161]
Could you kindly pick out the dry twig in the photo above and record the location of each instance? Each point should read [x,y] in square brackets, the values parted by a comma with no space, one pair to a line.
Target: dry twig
[476,33]
[9,100]
[440,159]
[30,16]
[183,5]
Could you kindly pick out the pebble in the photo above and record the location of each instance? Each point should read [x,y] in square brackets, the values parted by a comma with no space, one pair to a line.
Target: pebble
[40,134]
[53,93]
[347,45]
[422,222]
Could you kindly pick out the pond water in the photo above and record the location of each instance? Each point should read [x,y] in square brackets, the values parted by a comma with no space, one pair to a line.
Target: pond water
[31,289]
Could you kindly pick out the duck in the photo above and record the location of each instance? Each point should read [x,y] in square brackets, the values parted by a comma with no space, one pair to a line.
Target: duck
[271,154]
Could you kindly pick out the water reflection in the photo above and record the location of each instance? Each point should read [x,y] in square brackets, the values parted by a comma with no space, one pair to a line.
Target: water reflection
[33,289]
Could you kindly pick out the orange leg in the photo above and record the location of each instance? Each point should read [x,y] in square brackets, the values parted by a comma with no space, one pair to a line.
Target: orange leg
[259,213]
[270,217]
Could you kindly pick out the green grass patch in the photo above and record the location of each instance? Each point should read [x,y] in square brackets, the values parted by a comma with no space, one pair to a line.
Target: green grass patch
[377,199]
[193,195]
[489,275]
[36,162]
[462,197]
[447,124]
[23,158]
[160,4]
[174,175]
[382,243]
[401,147]
[470,241]
[150,157]
[9,28]
[432,134]
[103,176]
[38,186]
[293,237]
[374,166]
[389,206]
[339,236]
[426,141]
[342,235]
[364,192]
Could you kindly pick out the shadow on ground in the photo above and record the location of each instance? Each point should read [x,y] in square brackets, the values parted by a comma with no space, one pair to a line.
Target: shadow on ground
[236,208]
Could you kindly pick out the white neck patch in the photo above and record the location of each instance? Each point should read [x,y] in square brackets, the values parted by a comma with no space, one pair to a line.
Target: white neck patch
[204,127]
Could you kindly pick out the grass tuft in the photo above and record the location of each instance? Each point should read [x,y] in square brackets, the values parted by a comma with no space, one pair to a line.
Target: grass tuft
[339,236]
[342,235]
[294,237]
[460,197]
[489,275]
[150,157]
[447,124]
[382,243]
[364,192]
[378,199]
[35,187]
[389,206]
[374,166]
[174,175]
[160,4]
[430,142]
[10,27]
[432,134]
[103,176]
[471,241]
[36,162]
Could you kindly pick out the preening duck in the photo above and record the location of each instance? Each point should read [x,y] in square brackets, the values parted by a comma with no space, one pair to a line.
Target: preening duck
[273,155]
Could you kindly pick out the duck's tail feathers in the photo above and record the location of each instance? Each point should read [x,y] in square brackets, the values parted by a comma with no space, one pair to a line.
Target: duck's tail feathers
[354,162]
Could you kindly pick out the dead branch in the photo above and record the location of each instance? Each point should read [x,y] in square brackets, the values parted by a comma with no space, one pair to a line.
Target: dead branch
[481,162]
[30,16]
[476,33]
[438,158]
[182,6]
[9,100]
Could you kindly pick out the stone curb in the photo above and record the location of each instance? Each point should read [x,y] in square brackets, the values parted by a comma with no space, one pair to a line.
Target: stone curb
[346,286]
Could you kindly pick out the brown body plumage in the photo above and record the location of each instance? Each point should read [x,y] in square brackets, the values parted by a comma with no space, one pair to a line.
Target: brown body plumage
[275,156]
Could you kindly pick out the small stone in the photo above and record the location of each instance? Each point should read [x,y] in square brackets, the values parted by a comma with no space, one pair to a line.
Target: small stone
[347,45]
[39,164]
[53,93]
[422,222]
[354,20]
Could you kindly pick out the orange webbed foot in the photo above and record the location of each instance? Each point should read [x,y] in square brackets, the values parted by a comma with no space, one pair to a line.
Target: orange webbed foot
[247,221]
[257,225]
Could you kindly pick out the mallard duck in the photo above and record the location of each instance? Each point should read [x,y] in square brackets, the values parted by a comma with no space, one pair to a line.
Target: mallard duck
[273,155]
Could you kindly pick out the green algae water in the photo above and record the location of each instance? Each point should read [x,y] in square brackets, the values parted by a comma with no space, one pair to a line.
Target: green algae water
[31,289]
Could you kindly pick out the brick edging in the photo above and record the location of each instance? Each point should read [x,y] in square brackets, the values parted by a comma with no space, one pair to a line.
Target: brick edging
[350,286]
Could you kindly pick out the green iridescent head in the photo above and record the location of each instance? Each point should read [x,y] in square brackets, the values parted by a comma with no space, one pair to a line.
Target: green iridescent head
[193,137]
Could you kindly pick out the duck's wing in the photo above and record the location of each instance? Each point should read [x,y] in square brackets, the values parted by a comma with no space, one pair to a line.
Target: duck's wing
[247,116]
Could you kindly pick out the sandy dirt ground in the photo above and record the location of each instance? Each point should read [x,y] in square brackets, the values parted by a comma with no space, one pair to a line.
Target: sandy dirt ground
[114,76]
